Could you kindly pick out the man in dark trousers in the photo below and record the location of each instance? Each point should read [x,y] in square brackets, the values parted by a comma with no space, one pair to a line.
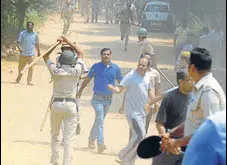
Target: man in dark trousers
[125,17]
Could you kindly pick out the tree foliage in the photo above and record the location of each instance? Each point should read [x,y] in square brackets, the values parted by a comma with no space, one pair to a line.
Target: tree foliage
[14,13]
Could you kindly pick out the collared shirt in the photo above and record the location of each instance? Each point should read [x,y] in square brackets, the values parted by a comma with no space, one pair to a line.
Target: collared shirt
[207,98]
[28,41]
[146,47]
[136,94]
[65,79]
[104,75]
[208,145]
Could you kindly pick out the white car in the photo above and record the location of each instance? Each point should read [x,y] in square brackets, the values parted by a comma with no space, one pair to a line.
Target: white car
[157,14]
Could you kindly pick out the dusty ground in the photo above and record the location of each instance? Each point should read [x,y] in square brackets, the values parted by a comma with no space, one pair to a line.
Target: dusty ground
[23,106]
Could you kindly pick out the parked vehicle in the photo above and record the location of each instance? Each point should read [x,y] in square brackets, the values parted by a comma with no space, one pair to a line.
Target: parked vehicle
[157,15]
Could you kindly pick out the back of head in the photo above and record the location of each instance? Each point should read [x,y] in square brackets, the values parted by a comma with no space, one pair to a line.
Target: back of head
[201,59]
[67,57]
[181,74]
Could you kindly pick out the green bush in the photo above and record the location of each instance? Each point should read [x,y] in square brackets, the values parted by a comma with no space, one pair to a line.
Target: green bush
[36,17]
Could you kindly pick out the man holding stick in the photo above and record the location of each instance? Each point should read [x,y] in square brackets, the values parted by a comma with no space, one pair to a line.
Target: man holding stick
[27,42]
[63,104]
[147,48]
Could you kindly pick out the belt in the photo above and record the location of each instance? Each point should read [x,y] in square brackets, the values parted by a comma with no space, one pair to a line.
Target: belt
[103,96]
[64,99]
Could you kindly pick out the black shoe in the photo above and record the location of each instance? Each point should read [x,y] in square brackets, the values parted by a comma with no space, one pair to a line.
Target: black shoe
[101,148]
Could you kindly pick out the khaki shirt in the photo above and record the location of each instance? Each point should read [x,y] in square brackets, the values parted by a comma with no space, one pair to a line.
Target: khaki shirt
[146,47]
[207,99]
[65,79]
[156,78]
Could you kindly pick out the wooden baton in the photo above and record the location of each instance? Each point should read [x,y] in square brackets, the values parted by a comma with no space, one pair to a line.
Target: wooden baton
[165,77]
[38,58]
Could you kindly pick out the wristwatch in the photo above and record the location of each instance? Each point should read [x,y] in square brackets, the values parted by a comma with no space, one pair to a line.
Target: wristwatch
[169,131]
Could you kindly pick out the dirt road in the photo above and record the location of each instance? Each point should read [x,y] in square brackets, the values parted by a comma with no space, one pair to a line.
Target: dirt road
[23,106]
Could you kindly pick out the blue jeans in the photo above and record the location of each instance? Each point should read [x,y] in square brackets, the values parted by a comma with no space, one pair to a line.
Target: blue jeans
[101,106]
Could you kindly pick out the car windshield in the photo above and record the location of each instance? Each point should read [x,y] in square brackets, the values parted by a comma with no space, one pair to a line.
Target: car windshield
[157,8]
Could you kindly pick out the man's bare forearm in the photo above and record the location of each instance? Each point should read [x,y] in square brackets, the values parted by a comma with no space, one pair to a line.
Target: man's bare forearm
[155,99]
[157,89]
[37,48]
[84,84]
[183,141]
[161,129]
[19,46]
[178,131]
[118,89]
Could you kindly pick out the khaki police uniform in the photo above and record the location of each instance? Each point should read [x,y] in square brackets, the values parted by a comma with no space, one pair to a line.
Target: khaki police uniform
[208,98]
[146,47]
[63,109]
[67,17]
[125,20]
[156,81]
[109,4]
[85,9]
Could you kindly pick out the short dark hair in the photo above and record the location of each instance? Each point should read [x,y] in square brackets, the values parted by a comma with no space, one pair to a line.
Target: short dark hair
[105,49]
[181,74]
[29,23]
[149,62]
[144,56]
[202,59]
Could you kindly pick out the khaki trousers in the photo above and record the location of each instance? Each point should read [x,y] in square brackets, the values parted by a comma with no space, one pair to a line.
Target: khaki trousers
[23,60]
[62,112]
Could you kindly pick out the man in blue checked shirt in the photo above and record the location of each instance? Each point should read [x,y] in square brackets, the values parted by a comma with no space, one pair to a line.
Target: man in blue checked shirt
[104,73]
[27,42]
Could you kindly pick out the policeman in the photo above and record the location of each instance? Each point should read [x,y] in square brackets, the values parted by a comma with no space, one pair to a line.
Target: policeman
[125,17]
[66,15]
[145,46]
[63,105]
[85,10]
[95,10]
[109,11]
[66,46]
[116,9]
